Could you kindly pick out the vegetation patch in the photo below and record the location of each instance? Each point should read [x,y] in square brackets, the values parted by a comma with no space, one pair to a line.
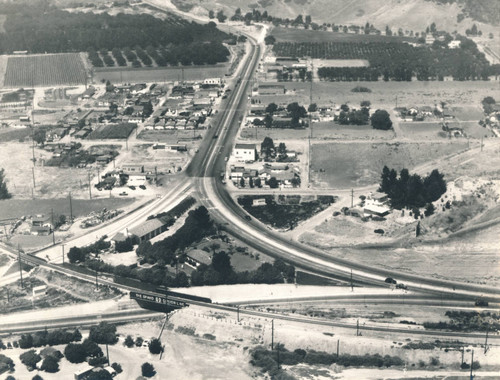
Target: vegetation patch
[284,216]
[112,131]
[467,321]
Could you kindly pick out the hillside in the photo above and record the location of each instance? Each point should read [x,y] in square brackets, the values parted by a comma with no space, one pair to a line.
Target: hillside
[407,14]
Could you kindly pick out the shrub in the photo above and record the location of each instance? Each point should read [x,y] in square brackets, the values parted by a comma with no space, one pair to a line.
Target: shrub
[50,364]
[148,370]
[155,346]
[6,364]
[30,358]
[139,341]
[117,367]
[129,341]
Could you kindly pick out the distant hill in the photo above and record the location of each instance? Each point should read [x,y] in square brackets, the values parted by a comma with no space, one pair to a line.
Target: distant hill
[413,15]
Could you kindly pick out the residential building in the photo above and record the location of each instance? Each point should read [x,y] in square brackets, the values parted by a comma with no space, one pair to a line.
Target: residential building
[148,230]
[245,152]
[133,168]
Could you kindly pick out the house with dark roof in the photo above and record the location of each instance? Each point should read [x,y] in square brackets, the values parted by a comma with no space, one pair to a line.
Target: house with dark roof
[148,230]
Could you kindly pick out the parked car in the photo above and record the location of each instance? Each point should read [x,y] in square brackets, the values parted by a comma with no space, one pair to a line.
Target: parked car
[142,187]
[390,280]
[123,194]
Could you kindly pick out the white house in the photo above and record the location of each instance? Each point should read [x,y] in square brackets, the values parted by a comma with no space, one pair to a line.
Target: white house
[455,44]
[216,81]
[245,152]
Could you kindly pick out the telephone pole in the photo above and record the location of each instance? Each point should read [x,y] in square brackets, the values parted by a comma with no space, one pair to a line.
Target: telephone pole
[20,266]
[471,365]
[486,348]
[53,226]
[352,283]
[63,253]
[238,313]
[70,209]
[352,198]
[338,347]
[90,187]
[272,334]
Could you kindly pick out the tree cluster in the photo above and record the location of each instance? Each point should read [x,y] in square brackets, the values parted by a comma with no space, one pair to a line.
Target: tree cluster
[268,360]
[30,359]
[220,271]
[353,116]
[80,254]
[411,191]
[197,225]
[55,31]
[50,338]
[395,60]
[104,333]
[79,352]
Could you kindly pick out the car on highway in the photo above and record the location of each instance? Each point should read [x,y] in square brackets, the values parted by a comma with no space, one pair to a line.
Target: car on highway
[142,187]
[248,217]
[390,280]
[123,194]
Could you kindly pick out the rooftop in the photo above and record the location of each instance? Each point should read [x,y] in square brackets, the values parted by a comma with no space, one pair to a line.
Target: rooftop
[146,227]
[245,146]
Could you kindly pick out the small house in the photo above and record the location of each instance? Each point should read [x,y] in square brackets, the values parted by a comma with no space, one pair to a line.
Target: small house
[245,152]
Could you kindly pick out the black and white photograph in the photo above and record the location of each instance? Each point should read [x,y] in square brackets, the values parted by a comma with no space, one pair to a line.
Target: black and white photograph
[249,189]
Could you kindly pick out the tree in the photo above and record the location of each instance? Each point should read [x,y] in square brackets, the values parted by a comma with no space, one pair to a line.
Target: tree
[129,341]
[75,353]
[30,358]
[117,367]
[271,108]
[267,147]
[282,149]
[273,183]
[4,193]
[365,103]
[296,111]
[313,107]
[76,254]
[242,181]
[211,14]
[148,370]
[222,264]
[39,136]
[36,377]
[381,120]
[221,17]
[103,333]
[155,346]
[429,209]
[258,182]
[139,341]
[50,364]
[269,40]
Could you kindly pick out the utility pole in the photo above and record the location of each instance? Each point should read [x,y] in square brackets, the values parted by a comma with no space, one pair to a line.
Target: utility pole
[338,347]
[357,327]
[33,172]
[272,334]
[53,226]
[486,343]
[20,266]
[352,284]
[90,187]
[107,352]
[481,143]
[238,313]
[96,284]
[63,253]
[463,351]
[352,198]
[70,209]
[471,365]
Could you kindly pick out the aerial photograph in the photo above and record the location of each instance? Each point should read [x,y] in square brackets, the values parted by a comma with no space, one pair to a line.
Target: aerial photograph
[249,189]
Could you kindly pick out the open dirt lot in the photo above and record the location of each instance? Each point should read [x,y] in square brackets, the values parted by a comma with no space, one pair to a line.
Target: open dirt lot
[342,165]
[51,182]
[384,94]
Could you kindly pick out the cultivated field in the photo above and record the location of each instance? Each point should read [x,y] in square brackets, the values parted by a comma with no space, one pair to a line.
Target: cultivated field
[342,165]
[304,35]
[44,70]
[124,75]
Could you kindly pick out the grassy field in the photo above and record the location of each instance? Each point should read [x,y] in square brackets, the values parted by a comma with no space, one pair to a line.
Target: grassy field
[305,35]
[44,70]
[338,165]
[14,134]
[122,75]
